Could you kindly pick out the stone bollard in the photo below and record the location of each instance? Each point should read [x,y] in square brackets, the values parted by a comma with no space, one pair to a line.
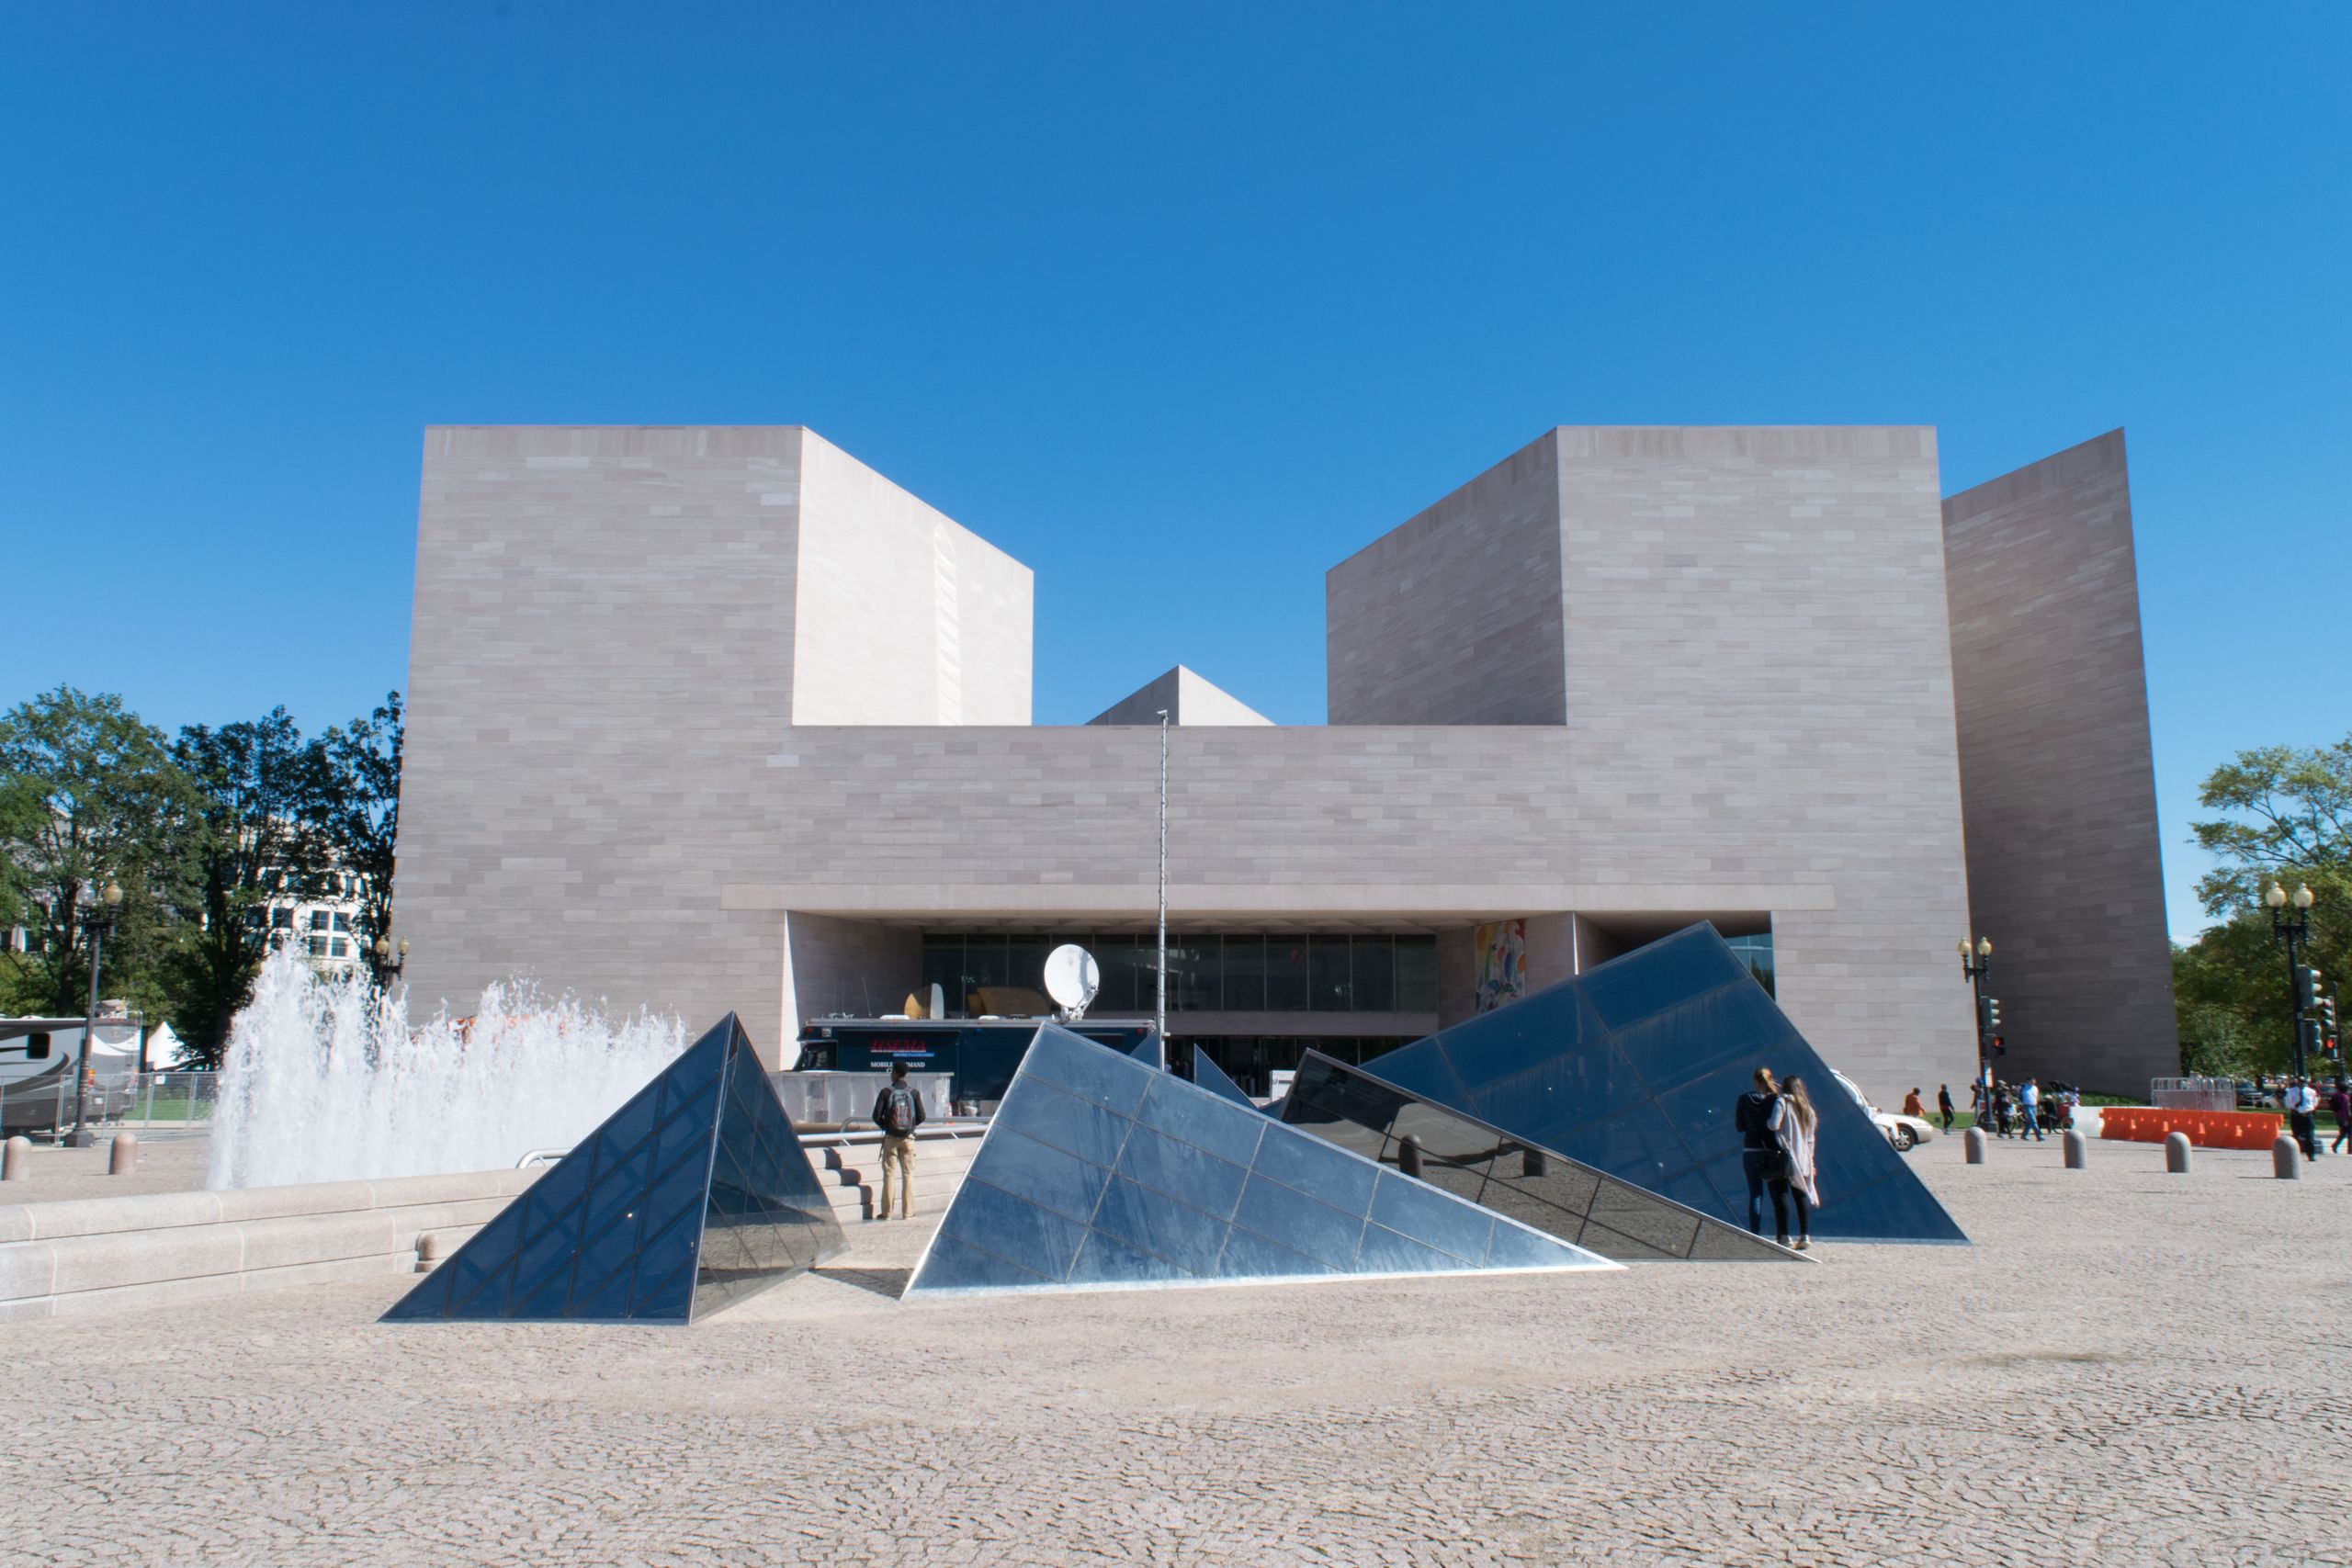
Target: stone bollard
[1973,1142]
[1408,1155]
[430,1250]
[123,1158]
[2176,1154]
[2078,1151]
[2286,1161]
[16,1164]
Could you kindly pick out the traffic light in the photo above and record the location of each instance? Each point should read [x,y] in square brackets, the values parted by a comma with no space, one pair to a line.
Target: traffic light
[1988,1015]
[2000,1046]
[2306,987]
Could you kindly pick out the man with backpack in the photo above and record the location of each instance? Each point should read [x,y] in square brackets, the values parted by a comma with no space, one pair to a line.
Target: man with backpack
[898,1110]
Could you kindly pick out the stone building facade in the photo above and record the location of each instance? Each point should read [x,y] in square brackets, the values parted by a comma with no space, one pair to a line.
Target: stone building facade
[734,723]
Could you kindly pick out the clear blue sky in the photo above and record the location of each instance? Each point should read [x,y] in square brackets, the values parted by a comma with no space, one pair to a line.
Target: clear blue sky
[1180,303]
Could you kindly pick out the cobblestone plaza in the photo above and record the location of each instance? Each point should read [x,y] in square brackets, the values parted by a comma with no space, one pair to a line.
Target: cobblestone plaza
[2127,1368]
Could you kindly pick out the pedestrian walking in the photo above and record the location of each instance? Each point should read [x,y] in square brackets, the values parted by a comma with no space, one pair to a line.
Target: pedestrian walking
[2001,1109]
[2029,1108]
[2340,1105]
[1796,1130]
[2303,1110]
[1943,1103]
[1761,1160]
[898,1110]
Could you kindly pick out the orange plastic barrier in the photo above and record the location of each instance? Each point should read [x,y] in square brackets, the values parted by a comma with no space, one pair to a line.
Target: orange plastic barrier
[2208,1129]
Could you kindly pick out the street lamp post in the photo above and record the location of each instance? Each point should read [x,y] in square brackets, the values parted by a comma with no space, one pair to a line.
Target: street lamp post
[1159,1007]
[1974,965]
[2295,933]
[99,922]
[389,961]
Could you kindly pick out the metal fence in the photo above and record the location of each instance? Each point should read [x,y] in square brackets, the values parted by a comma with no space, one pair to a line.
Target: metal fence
[140,1101]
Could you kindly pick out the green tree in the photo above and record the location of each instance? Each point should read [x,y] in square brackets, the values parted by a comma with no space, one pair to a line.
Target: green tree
[251,840]
[90,794]
[2285,815]
[356,804]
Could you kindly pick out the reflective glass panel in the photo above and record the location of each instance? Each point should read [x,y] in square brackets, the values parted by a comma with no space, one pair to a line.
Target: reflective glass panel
[1632,1068]
[652,1225]
[1183,1185]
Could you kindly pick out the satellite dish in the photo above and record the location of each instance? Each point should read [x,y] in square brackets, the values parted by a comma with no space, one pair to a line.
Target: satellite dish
[1072,977]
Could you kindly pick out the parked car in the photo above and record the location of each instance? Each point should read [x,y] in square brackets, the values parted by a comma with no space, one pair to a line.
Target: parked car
[1901,1131]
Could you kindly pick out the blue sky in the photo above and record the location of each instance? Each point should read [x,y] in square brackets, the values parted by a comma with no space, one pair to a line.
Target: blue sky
[1178,304]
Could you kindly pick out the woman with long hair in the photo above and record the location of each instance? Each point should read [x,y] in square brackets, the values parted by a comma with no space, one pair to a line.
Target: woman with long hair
[1796,1130]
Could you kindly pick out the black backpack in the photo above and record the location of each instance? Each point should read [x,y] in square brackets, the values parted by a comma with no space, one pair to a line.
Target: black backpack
[898,1111]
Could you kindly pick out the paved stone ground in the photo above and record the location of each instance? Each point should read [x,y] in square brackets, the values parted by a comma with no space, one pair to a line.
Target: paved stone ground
[2129,1368]
[170,1159]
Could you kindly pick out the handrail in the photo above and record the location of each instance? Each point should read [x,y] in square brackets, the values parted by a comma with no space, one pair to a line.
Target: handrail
[957,1133]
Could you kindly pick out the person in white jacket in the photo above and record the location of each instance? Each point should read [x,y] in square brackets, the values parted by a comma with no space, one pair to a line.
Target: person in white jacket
[1794,1125]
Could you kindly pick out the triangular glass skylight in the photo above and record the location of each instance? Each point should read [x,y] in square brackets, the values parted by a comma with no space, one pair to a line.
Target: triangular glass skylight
[1098,1172]
[1633,1069]
[695,1194]
[1537,1187]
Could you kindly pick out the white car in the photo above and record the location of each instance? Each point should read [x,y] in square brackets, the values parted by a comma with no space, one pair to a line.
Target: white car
[1901,1131]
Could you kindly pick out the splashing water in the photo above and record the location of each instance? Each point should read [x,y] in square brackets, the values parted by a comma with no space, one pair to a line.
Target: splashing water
[324,1081]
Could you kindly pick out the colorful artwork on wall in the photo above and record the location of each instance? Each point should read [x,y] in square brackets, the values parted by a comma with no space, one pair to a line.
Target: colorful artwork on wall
[1502,963]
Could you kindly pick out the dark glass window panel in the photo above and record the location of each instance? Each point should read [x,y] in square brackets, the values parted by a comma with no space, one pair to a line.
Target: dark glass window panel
[632,1123]
[942,966]
[1178,1169]
[1373,965]
[488,1297]
[1422,1068]
[1548,1102]
[1245,973]
[1192,973]
[672,1298]
[617,1191]
[1284,1215]
[1731,1028]
[1044,1176]
[984,964]
[430,1299]
[1637,1144]
[1630,1211]
[1326,970]
[1164,1227]
[1416,974]
[688,1128]
[607,1302]
[529,1303]
[1895,1209]
[1121,963]
[1428,1216]
[1445,1136]
[1025,960]
[549,1253]
[556,1189]
[1659,975]
[1546,1027]
[1038,1239]
[1598,1237]
[1287,985]
[1467,1184]
[1071,1124]
[489,1249]
[1087,1070]
[1383,1251]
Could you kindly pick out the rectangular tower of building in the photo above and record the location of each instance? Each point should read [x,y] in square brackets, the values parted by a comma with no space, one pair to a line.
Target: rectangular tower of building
[2064,864]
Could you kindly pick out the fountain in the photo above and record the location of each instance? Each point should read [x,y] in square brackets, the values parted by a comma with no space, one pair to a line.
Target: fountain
[326,1080]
